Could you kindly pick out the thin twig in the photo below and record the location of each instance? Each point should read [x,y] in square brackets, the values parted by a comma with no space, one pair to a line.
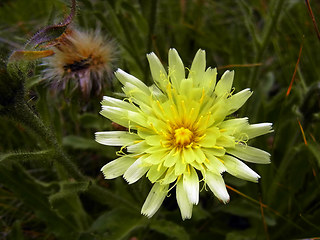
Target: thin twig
[313,19]
[265,226]
[295,71]
[240,65]
[264,206]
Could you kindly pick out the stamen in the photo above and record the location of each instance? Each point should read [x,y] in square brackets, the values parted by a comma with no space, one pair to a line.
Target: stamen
[169,91]
[178,178]
[161,108]
[242,142]
[163,76]
[207,119]
[183,136]
[177,152]
[203,167]
[183,107]
[174,111]
[218,147]
[190,145]
[174,92]
[191,111]
[175,184]
[129,128]
[204,187]
[200,138]
[140,155]
[164,134]
[127,99]
[154,129]
[220,160]
[159,167]
[200,119]
[204,182]
[120,153]
[123,147]
[202,96]
[232,90]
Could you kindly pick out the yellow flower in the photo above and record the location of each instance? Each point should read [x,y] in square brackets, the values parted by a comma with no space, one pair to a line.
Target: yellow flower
[85,58]
[178,132]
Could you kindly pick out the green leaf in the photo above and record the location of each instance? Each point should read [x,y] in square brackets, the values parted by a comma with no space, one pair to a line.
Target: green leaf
[89,120]
[245,209]
[42,158]
[113,199]
[117,223]
[69,188]
[138,18]
[33,81]
[67,204]
[77,142]
[170,229]
[34,194]
[315,150]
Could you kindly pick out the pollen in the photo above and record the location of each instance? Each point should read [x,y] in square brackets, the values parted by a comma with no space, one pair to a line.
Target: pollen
[183,136]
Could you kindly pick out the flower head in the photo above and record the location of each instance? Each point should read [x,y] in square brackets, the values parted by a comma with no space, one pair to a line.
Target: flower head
[179,132]
[82,57]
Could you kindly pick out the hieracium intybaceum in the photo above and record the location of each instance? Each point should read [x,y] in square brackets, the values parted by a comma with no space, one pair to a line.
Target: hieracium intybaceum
[180,132]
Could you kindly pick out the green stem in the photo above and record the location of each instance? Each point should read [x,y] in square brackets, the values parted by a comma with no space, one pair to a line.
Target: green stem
[22,113]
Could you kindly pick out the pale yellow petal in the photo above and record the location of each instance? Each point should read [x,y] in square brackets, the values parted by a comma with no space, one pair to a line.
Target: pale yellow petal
[176,69]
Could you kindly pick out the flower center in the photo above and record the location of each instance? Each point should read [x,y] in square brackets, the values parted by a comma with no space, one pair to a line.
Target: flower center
[183,136]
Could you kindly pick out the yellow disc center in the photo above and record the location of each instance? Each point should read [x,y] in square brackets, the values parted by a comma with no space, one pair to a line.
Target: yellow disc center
[183,136]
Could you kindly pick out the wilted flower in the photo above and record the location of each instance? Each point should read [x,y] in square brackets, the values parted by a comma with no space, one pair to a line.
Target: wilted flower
[83,58]
[178,130]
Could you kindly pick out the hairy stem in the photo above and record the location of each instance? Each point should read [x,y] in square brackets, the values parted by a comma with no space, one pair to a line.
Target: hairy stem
[22,113]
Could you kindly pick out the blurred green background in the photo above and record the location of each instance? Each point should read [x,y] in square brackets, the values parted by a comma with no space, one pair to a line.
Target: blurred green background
[259,39]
